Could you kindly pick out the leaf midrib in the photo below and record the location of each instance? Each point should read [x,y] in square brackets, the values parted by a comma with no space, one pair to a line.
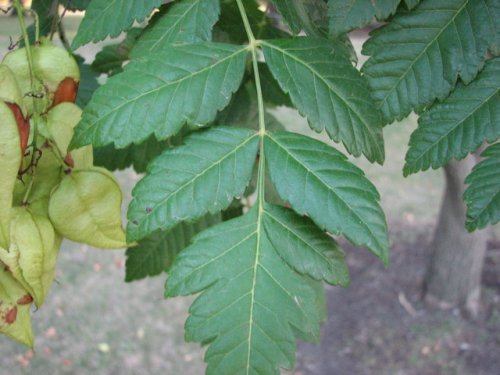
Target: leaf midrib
[162,87]
[254,283]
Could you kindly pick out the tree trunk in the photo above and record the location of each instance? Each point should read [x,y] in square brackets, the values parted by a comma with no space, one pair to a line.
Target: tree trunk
[454,273]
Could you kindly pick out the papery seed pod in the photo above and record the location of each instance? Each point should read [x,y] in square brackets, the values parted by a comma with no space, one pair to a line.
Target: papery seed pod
[60,123]
[10,94]
[32,252]
[48,174]
[10,91]
[83,158]
[51,66]
[86,207]
[15,302]
[10,160]
[66,92]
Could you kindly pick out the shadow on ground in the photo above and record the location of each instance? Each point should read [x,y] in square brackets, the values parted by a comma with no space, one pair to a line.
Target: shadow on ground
[378,326]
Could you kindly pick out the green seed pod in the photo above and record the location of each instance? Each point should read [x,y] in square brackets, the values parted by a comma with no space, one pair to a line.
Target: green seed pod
[51,65]
[15,302]
[10,160]
[48,174]
[9,89]
[61,121]
[19,191]
[83,157]
[31,252]
[11,95]
[86,207]
[17,62]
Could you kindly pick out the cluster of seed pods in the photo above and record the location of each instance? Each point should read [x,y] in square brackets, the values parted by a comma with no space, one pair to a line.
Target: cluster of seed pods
[47,192]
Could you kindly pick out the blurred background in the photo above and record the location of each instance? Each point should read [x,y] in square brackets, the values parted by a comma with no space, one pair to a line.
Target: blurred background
[95,323]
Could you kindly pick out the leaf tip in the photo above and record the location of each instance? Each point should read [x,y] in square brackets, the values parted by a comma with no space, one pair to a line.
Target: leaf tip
[470,225]
[408,170]
[169,291]
[76,43]
[76,143]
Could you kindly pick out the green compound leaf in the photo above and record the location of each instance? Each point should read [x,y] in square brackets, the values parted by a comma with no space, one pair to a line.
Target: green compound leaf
[288,11]
[320,182]
[459,124]
[136,156]
[45,10]
[307,15]
[482,197]
[161,93]
[420,54]
[189,181]
[495,22]
[252,304]
[187,21]
[105,18]
[303,246]
[410,4]
[77,4]
[271,90]
[111,58]
[230,27]
[348,15]
[329,91]
[88,84]
[156,253]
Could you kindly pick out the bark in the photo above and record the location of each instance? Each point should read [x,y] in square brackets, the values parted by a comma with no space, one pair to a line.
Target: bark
[454,273]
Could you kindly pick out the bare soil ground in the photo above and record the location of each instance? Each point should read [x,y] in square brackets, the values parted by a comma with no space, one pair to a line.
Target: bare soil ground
[379,326]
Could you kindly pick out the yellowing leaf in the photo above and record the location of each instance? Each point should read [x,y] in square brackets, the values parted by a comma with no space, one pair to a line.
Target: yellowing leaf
[10,160]
[86,207]
[15,302]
